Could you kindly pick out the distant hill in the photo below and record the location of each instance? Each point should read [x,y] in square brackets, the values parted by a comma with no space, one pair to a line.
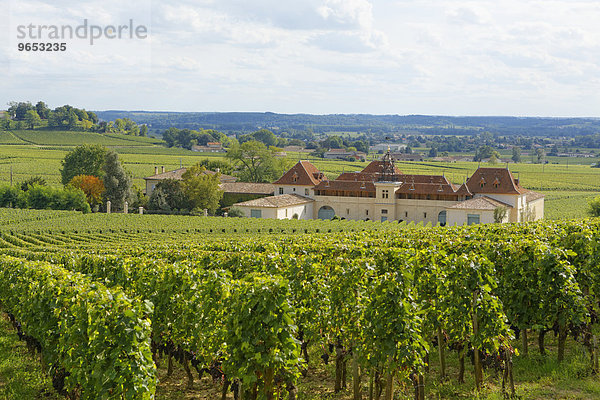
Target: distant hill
[243,122]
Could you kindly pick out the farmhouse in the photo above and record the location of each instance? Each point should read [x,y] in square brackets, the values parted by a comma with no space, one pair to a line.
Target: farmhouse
[382,192]
[342,154]
[211,147]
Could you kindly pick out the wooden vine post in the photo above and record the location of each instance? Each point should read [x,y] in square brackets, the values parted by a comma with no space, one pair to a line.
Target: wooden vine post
[477,360]
[442,355]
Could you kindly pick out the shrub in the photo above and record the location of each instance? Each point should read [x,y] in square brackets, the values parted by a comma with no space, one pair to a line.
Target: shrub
[595,207]
[12,197]
[235,212]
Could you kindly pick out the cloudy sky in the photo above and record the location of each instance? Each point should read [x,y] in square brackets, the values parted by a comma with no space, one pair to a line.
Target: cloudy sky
[444,57]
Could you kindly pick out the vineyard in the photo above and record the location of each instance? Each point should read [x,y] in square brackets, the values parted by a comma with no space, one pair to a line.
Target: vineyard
[256,305]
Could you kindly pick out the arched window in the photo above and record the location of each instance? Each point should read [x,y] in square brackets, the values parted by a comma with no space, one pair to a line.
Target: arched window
[442,218]
[326,212]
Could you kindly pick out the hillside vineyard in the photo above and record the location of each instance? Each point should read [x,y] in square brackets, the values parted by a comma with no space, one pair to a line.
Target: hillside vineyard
[255,306]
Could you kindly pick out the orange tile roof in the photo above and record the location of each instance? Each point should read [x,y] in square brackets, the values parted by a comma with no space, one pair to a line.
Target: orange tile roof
[494,180]
[349,186]
[377,167]
[302,174]
[425,188]
[463,190]
[438,179]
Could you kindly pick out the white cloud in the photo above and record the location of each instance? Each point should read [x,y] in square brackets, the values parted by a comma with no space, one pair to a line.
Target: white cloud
[539,57]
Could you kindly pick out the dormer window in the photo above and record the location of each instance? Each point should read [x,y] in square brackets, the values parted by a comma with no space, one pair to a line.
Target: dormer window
[482,182]
[295,177]
[496,183]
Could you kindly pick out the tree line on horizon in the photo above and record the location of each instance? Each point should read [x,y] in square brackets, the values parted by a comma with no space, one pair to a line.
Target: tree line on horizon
[25,115]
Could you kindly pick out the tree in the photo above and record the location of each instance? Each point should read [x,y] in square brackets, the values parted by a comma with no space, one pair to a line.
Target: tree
[595,207]
[499,214]
[116,181]
[92,186]
[32,118]
[541,154]
[361,145]
[83,160]
[4,122]
[493,158]
[144,130]
[256,162]
[265,136]
[17,110]
[202,189]
[433,152]
[42,110]
[33,181]
[333,142]
[168,195]
[222,166]
[516,154]
[119,125]
[236,212]
[485,152]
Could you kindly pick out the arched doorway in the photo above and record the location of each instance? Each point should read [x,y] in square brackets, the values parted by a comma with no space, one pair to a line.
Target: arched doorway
[442,218]
[326,212]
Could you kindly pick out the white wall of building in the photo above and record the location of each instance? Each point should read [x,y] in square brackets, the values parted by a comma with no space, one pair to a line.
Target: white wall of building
[421,210]
[306,191]
[516,201]
[459,217]
[303,211]
[355,208]
[266,212]
[536,209]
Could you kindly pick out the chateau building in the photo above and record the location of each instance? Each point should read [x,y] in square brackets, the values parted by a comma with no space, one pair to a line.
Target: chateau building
[382,192]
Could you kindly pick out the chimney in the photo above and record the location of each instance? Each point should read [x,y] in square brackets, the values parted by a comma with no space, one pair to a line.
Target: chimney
[163,169]
[155,170]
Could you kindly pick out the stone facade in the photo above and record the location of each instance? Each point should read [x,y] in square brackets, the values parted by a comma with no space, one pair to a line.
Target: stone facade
[381,192]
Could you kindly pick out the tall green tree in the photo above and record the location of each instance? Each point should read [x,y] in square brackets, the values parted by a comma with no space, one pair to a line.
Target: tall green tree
[116,181]
[42,110]
[17,110]
[516,154]
[485,152]
[256,162]
[32,119]
[83,160]
[541,154]
[4,122]
[168,195]
[202,189]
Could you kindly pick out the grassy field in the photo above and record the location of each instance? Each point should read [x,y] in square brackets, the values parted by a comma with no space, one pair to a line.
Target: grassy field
[30,153]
